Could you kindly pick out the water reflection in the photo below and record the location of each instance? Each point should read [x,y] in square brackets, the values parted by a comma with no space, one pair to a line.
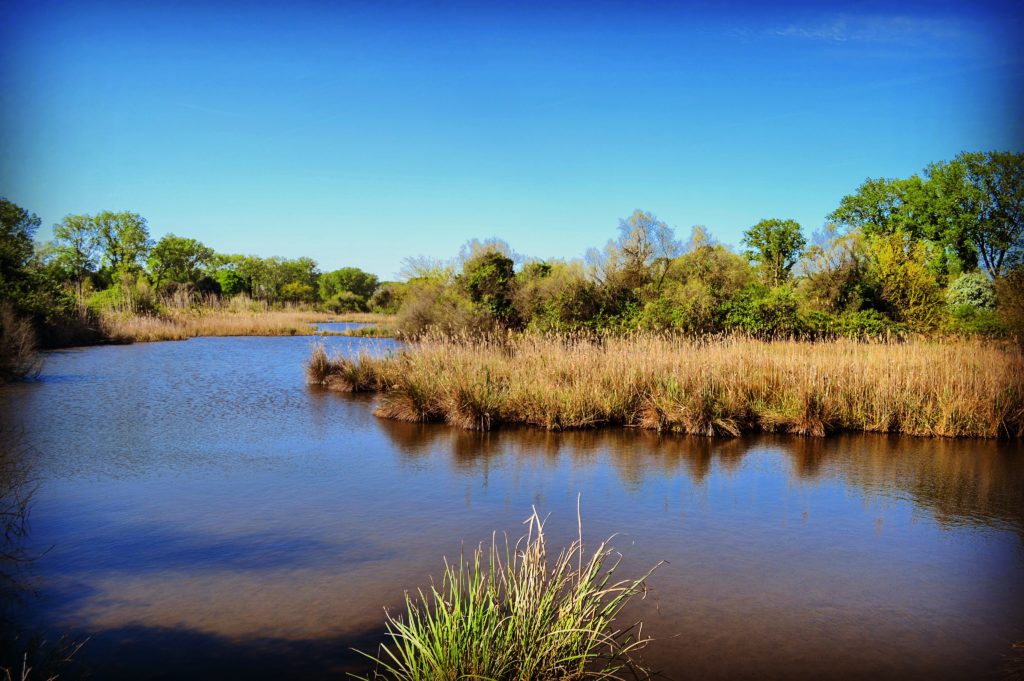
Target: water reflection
[199,494]
[957,481]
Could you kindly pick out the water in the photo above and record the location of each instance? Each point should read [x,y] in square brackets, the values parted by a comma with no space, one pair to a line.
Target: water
[203,514]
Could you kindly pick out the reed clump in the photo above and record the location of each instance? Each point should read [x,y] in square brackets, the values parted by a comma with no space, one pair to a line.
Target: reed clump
[510,611]
[714,386]
[18,352]
[339,372]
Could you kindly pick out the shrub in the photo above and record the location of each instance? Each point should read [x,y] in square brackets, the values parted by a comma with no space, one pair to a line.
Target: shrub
[764,313]
[346,301]
[1010,301]
[387,299]
[972,320]
[972,290]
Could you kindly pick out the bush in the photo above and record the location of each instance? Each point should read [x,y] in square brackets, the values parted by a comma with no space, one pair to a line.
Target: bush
[346,301]
[968,319]
[432,306]
[387,299]
[764,313]
[1010,302]
[971,290]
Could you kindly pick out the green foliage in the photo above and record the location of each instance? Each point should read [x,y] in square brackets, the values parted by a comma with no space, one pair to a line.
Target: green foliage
[972,290]
[350,279]
[124,238]
[346,301]
[775,246]
[178,260]
[837,274]
[984,204]
[297,292]
[17,229]
[431,306]
[77,246]
[130,294]
[558,297]
[514,612]
[266,278]
[764,313]
[489,280]
[231,283]
[387,299]
[908,289]
[975,321]
[1010,301]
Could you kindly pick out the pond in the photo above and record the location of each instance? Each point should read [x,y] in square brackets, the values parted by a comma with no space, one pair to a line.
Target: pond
[201,513]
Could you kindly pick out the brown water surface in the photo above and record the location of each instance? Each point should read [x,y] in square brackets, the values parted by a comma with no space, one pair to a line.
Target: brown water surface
[204,514]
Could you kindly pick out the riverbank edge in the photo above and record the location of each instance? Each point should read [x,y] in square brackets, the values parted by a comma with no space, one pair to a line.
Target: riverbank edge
[965,389]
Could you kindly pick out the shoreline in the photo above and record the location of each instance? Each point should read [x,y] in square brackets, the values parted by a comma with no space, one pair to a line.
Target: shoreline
[720,388]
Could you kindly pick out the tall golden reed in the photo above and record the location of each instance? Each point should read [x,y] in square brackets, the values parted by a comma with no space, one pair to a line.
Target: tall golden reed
[719,386]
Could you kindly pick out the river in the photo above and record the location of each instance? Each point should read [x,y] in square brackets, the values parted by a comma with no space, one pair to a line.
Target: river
[201,513]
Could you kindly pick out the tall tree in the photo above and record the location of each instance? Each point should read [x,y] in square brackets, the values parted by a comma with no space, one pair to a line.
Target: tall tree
[124,238]
[646,248]
[178,259]
[77,247]
[985,195]
[17,227]
[776,246]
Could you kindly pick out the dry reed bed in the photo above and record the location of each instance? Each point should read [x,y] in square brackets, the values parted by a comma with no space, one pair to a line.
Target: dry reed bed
[181,325]
[707,387]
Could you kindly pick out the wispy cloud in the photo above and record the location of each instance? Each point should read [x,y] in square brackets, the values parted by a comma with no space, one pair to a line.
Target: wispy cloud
[875,29]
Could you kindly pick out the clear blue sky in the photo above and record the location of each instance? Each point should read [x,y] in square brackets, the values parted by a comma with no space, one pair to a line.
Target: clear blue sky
[360,133]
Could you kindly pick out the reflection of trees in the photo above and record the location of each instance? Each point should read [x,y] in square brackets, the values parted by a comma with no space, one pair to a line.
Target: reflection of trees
[958,481]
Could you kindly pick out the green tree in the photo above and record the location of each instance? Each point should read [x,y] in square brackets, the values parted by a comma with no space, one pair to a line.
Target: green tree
[984,194]
[179,260]
[351,279]
[908,288]
[124,238]
[489,280]
[776,246]
[76,247]
[17,228]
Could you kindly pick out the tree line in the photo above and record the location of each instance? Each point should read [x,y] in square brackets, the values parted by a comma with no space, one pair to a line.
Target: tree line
[939,251]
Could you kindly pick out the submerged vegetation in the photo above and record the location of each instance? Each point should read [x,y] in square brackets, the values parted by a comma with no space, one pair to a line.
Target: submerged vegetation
[711,386]
[512,612]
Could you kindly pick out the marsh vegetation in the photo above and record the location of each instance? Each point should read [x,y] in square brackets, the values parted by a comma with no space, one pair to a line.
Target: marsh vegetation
[721,386]
[512,611]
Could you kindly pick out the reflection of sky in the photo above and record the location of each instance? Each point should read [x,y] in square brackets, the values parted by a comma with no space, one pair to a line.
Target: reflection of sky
[246,505]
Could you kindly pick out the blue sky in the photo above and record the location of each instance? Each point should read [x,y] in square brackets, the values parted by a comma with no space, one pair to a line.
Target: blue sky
[361,133]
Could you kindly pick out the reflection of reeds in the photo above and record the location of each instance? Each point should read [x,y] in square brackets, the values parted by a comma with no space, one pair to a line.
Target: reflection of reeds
[509,612]
[717,387]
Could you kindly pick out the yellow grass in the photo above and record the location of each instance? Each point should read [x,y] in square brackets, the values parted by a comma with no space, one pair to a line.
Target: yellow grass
[723,386]
[180,325]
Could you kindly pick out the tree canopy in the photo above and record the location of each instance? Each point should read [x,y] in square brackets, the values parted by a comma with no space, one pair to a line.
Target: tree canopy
[776,246]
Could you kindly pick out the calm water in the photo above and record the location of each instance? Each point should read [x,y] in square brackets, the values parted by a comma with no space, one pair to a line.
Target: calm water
[204,514]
